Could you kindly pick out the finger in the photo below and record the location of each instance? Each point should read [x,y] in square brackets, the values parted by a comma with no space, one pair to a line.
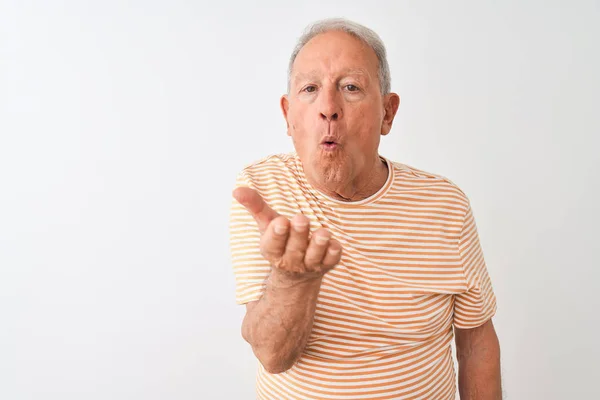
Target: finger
[317,247]
[333,254]
[297,242]
[254,203]
[273,241]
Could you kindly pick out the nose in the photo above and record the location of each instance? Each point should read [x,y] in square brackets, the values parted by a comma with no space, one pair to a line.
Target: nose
[330,108]
[330,117]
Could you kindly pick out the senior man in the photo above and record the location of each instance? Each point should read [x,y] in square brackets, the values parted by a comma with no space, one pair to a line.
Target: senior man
[357,271]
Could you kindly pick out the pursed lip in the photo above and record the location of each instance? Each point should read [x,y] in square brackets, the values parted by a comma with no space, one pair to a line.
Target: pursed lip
[330,139]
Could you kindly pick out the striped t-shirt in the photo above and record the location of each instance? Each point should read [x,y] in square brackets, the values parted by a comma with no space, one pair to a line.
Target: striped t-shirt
[411,268]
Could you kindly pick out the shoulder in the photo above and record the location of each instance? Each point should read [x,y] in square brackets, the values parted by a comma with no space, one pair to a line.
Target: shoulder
[276,178]
[434,186]
[269,168]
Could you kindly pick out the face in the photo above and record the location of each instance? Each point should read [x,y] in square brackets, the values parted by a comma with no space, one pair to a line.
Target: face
[335,111]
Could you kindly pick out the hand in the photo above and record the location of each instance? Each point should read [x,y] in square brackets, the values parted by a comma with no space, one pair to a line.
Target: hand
[294,256]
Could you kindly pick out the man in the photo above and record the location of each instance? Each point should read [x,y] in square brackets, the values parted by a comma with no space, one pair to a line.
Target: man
[357,271]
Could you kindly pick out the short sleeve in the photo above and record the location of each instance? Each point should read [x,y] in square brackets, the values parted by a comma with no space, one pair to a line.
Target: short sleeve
[250,268]
[478,304]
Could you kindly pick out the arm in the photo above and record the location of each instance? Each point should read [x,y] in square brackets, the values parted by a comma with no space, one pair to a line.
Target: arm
[478,354]
[278,325]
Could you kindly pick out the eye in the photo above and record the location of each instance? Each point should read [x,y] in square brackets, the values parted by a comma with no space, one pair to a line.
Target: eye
[310,89]
[352,88]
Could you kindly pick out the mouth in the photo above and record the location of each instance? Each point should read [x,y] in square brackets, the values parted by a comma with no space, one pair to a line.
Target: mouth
[329,143]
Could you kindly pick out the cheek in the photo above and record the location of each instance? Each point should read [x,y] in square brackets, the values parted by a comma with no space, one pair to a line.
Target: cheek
[375,117]
[363,122]
[366,127]
[301,125]
[296,121]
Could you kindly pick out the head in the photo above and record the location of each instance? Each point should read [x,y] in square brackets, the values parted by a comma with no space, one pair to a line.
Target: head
[339,102]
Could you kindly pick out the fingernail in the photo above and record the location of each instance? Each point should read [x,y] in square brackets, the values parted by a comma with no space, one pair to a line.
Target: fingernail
[300,227]
[280,229]
[321,239]
[334,251]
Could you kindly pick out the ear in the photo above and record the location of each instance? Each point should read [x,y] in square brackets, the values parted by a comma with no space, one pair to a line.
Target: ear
[284,103]
[391,102]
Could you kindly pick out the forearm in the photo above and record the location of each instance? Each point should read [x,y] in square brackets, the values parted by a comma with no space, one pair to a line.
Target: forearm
[278,325]
[479,371]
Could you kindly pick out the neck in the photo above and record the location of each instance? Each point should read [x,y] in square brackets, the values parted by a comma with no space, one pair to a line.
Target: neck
[361,187]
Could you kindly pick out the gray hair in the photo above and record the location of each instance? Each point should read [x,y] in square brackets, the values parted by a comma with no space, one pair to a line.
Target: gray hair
[357,30]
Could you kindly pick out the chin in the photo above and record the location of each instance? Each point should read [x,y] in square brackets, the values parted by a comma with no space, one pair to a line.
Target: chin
[331,171]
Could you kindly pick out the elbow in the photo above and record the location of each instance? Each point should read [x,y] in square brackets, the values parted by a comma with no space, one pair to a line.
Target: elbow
[274,357]
[275,371]
[275,364]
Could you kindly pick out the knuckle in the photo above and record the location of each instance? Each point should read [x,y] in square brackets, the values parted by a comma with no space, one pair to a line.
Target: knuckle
[295,253]
[270,248]
[281,264]
[298,242]
[311,262]
[286,263]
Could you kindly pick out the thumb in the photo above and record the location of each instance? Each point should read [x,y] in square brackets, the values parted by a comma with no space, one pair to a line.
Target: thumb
[254,203]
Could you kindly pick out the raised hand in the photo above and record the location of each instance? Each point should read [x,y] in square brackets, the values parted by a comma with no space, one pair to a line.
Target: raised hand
[293,253]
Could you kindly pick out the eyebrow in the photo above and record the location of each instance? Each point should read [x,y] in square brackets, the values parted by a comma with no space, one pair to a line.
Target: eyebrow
[314,74]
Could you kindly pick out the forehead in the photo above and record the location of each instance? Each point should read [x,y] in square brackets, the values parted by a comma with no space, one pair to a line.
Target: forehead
[335,52]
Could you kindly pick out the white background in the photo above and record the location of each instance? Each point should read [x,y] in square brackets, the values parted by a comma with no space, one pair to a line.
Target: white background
[123,124]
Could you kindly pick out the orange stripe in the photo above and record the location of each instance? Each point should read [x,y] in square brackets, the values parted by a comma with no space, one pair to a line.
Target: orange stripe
[412,266]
